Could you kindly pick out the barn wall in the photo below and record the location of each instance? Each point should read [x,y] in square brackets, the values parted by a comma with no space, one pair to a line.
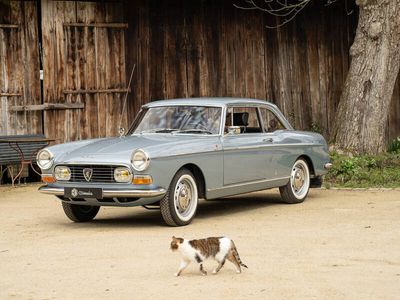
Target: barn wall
[84,68]
[209,48]
[180,49]
[19,68]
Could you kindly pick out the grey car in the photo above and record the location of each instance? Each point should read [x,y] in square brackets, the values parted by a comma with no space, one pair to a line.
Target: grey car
[180,150]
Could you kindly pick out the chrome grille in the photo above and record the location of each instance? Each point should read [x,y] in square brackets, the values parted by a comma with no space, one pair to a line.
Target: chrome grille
[103,174]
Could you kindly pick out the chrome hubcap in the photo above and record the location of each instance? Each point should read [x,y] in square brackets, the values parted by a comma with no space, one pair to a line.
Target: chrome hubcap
[185,197]
[300,179]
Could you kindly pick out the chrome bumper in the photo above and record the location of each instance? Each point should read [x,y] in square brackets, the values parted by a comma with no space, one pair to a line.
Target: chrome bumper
[328,166]
[110,193]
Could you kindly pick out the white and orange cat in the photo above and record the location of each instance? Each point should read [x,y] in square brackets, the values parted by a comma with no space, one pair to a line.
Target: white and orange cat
[218,248]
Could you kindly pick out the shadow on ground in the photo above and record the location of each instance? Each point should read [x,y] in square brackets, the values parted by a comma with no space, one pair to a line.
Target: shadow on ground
[140,217]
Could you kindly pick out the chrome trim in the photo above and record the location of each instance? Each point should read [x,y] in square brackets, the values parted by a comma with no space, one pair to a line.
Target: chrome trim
[109,193]
[246,183]
[52,160]
[327,166]
[268,145]
[146,156]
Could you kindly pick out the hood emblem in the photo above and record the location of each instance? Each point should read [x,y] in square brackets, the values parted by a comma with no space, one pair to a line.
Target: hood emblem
[87,173]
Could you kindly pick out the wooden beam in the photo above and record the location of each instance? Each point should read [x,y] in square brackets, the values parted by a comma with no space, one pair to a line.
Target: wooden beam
[48,106]
[10,94]
[109,91]
[9,26]
[103,25]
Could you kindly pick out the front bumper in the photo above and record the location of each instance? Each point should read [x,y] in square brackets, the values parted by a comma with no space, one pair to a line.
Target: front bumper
[111,193]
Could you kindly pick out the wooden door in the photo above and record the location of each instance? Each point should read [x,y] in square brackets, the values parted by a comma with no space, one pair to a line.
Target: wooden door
[84,68]
[19,69]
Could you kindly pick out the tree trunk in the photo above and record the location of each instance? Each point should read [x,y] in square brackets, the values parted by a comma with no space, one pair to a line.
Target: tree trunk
[375,60]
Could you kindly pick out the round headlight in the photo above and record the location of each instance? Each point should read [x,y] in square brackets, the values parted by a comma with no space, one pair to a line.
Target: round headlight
[45,159]
[62,173]
[140,160]
[122,174]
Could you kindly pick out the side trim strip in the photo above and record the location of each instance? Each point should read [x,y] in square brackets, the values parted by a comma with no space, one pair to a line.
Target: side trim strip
[247,183]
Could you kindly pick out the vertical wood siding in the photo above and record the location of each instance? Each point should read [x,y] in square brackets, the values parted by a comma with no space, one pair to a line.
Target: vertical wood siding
[19,68]
[80,58]
[209,48]
[181,48]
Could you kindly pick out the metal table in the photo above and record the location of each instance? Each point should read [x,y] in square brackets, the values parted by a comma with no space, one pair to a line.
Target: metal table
[14,144]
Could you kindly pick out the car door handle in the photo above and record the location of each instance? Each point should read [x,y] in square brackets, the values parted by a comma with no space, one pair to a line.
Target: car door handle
[268,140]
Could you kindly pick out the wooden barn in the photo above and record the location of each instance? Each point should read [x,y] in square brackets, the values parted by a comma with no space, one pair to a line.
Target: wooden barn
[65,65]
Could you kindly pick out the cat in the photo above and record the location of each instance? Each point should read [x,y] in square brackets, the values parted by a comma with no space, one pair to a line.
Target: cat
[218,248]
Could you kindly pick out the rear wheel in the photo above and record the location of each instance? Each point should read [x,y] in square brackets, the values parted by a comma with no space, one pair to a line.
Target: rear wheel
[296,190]
[179,204]
[80,213]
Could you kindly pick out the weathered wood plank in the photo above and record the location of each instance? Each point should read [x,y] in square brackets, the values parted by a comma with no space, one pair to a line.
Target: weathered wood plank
[95,91]
[98,25]
[102,49]
[15,48]
[89,117]
[115,68]
[32,67]
[71,69]
[15,26]
[47,106]
[175,41]
[10,94]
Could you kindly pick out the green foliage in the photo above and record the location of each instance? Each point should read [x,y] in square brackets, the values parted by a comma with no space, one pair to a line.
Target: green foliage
[394,146]
[381,170]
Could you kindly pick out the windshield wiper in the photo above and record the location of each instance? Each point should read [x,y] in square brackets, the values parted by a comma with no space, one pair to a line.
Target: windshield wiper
[159,130]
[194,130]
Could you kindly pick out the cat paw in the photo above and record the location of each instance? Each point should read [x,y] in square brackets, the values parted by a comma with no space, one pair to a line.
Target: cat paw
[214,272]
[237,271]
[176,274]
[204,273]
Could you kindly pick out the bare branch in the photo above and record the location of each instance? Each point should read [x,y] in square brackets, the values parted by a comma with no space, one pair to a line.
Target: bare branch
[286,9]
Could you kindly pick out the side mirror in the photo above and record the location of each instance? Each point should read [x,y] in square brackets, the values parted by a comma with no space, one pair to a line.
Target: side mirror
[233,130]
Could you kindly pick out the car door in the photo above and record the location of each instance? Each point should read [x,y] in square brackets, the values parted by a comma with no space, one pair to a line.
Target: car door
[277,149]
[243,157]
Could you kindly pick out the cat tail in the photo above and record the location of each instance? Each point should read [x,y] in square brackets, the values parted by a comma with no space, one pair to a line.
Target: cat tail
[236,255]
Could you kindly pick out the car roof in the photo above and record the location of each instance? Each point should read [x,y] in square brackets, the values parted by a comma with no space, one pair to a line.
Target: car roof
[209,101]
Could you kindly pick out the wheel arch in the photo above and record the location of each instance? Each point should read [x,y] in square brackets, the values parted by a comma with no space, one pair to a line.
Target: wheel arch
[309,163]
[198,176]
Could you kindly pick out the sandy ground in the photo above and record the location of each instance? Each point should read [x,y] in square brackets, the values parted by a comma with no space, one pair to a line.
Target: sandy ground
[336,245]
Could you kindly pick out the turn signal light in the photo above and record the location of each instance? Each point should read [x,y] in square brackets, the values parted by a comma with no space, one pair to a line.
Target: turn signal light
[48,179]
[142,179]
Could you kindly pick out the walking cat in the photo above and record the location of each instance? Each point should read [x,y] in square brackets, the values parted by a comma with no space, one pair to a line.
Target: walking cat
[218,248]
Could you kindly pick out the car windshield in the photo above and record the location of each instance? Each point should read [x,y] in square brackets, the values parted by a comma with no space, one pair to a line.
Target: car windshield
[179,119]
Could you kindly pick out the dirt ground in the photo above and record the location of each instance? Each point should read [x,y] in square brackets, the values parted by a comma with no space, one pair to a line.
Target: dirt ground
[336,245]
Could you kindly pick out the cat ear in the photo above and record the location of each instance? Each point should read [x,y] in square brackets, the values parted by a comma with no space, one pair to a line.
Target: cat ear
[173,237]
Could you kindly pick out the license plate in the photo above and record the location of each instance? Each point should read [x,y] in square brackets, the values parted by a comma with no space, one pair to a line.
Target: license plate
[83,193]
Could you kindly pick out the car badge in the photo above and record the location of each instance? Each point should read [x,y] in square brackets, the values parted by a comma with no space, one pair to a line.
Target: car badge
[87,173]
[74,193]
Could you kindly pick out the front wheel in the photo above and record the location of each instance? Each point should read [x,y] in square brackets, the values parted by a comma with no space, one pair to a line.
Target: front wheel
[80,213]
[179,204]
[296,190]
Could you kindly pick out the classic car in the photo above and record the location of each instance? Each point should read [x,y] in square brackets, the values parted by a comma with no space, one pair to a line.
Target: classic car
[179,151]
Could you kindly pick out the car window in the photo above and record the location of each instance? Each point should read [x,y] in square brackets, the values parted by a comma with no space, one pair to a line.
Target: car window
[244,117]
[270,120]
[180,119]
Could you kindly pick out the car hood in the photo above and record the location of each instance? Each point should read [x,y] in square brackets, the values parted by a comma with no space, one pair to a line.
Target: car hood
[120,149]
